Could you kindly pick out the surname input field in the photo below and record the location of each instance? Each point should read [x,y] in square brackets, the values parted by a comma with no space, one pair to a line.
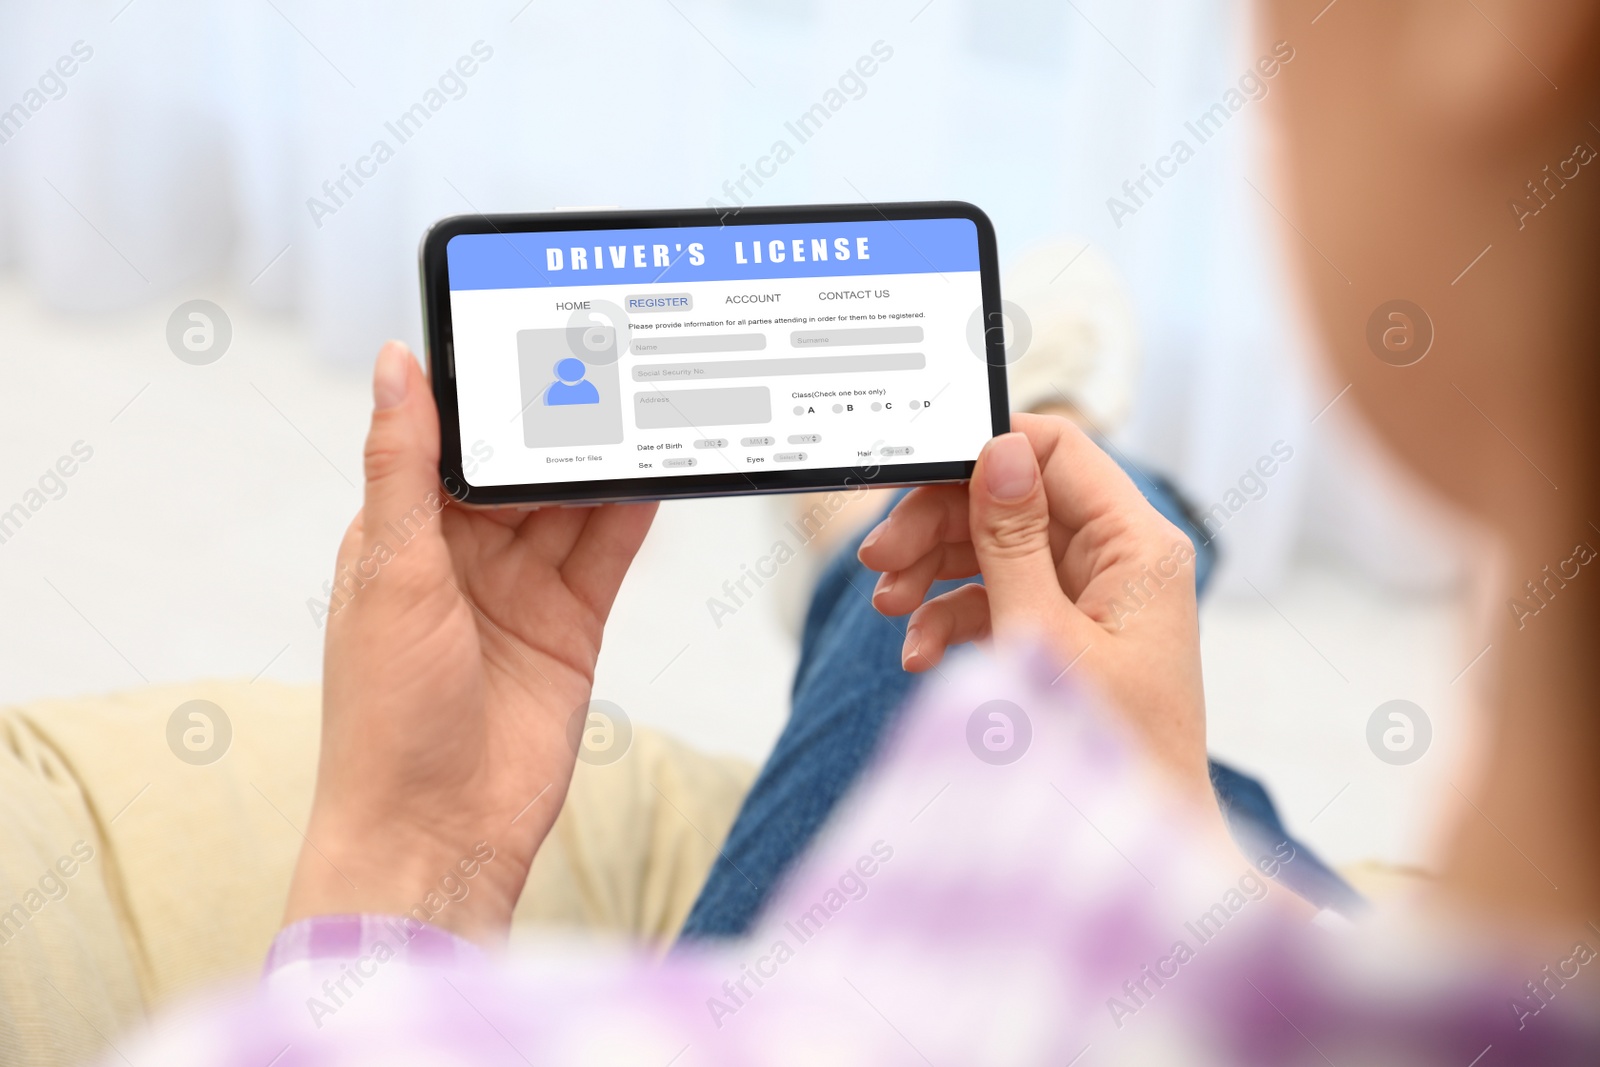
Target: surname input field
[856,335]
[784,365]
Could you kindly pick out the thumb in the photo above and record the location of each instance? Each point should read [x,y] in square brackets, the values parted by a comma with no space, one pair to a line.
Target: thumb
[1010,525]
[402,451]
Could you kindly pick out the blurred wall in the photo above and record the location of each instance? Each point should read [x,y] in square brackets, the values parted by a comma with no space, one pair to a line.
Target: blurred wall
[203,141]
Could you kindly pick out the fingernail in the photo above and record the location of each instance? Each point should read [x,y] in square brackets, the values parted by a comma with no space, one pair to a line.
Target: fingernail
[912,647]
[389,376]
[1009,468]
[885,583]
[872,537]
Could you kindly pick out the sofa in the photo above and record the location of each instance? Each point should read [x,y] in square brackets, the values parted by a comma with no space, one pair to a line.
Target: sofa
[133,874]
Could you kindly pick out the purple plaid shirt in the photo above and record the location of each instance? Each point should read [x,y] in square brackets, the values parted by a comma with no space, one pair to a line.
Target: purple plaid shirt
[1016,890]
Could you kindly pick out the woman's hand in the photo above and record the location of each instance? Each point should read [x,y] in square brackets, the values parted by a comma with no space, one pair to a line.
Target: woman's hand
[1072,555]
[459,661]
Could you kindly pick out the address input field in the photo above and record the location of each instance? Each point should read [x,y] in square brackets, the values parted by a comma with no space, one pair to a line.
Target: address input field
[692,343]
[710,370]
[690,409]
[856,335]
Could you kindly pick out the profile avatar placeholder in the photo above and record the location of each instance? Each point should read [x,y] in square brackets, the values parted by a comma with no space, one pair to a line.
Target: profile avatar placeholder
[571,385]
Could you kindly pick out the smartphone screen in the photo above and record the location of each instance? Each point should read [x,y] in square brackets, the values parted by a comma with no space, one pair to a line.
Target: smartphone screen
[674,358]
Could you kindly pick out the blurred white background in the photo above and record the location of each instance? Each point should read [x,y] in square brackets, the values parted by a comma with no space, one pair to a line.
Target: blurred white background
[178,161]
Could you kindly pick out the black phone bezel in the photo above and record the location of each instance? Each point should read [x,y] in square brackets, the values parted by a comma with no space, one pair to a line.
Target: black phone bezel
[439,342]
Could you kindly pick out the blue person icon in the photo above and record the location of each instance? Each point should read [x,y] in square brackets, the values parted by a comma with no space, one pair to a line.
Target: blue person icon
[570,386]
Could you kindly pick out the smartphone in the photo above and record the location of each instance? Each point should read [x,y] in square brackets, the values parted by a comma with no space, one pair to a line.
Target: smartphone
[582,357]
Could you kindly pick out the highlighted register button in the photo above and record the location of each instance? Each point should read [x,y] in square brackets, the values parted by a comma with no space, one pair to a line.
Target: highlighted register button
[660,302]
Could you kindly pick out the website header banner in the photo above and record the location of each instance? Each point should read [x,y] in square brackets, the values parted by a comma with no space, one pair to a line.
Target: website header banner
[671,255]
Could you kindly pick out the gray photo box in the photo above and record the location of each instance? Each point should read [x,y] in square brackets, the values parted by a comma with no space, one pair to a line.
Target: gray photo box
[538,352]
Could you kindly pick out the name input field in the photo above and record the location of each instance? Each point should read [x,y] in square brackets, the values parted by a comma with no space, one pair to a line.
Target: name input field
[692,343]
[709,370]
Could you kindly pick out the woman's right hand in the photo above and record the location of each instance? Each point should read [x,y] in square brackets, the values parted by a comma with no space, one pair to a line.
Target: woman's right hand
[1071,555]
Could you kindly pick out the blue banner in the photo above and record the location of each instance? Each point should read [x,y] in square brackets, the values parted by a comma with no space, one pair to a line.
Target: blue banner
[676,254]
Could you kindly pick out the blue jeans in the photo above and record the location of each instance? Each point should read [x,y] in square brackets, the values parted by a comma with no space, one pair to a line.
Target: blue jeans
[848,689]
